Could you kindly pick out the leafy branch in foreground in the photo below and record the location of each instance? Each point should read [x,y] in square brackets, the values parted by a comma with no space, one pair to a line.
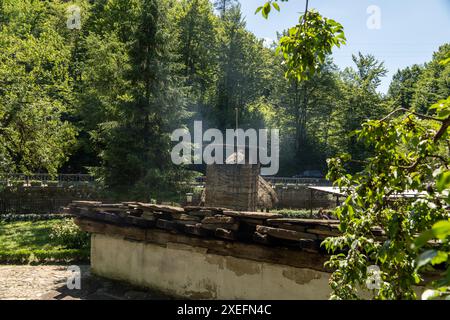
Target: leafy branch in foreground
[305,46]
[267,7]
[410,155]
[438,254]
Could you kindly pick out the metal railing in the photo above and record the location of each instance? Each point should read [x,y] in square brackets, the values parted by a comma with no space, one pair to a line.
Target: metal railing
[75,179]
[287,181]
[46,179]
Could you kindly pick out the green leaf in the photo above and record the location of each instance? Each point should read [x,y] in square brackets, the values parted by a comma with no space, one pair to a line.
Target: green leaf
[351,212]
[441,229]
[443,181]
[440,257]
[266,10]
[444,113]
[276,6]
[423,238]
[425,258]
[306,46]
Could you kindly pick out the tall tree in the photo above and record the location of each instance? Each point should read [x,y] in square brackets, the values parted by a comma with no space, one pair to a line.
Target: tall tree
[242,70]
[132,88]
[35,87]
[403,85]
[197,48]
[433,84]
[360,102]
[308,107]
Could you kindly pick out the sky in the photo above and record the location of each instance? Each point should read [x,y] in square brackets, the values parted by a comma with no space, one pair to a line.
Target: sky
[407,31]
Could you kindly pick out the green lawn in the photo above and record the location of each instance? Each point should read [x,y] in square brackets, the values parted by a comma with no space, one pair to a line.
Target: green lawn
[30,235]
[29,242]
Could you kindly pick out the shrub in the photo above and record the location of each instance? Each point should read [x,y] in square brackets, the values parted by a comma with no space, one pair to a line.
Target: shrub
[66,233]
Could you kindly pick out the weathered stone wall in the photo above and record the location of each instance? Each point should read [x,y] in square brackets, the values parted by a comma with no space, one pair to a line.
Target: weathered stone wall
[207,253]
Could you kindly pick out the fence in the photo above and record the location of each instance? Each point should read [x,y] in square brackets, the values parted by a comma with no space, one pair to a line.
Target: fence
[86,179]
[287,181]
[30,200]
[43,179]
[42,193]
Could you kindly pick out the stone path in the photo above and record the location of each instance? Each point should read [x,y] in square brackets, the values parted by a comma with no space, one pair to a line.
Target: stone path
[18,282]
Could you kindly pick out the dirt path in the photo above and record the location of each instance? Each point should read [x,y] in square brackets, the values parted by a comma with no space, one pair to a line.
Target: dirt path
[30,282]
[18,282]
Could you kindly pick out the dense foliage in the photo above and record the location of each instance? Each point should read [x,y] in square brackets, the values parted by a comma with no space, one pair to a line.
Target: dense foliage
[410,156]
[129,95]
[399,199]
[35,87]
[104,99]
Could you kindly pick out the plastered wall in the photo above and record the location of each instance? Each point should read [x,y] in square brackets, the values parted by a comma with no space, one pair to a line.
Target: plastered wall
[189,272]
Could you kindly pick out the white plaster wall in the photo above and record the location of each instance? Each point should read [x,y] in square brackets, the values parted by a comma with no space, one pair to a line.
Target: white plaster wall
[189,272]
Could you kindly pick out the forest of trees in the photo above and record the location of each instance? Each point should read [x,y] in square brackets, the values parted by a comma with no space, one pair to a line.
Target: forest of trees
[104,99]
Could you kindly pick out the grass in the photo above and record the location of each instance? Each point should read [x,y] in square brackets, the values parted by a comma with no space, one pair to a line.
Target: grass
[29,242]
[30,235]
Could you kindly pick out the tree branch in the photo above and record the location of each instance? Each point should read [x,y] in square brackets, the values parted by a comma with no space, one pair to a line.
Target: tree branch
[419,115]
[438,135]
[442,130]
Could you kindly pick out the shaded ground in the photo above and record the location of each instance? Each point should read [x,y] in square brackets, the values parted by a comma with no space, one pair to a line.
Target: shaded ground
[18,282]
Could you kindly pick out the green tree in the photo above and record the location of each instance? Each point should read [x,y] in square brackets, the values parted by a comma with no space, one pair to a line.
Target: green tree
[241,73]
[360,102]
[305,46]
[438,255]
[433,83]
[434,257]
[198,50]
[306,109]
[403,85]
[132,96]
[35,87]
[410,155]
